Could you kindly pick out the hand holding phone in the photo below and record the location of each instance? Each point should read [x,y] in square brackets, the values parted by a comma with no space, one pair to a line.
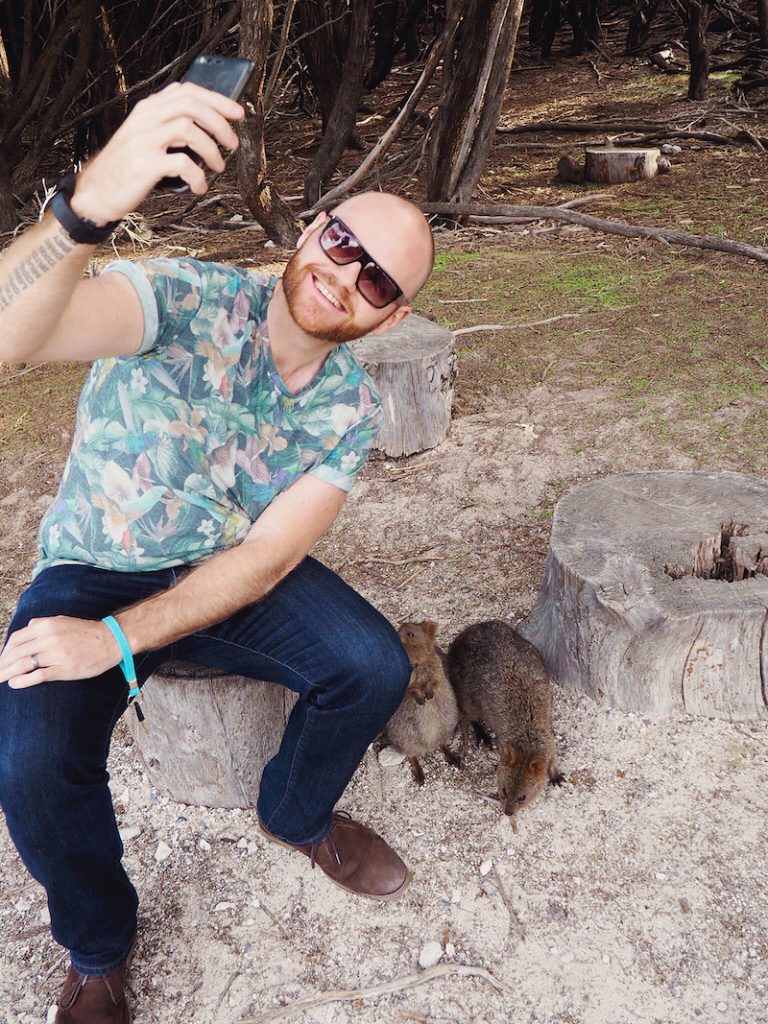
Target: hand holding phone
[154,143]
[225,75]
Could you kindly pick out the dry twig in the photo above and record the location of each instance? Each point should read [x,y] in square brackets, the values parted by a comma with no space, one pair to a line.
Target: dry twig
[511,327]
[514,918]
[397,985]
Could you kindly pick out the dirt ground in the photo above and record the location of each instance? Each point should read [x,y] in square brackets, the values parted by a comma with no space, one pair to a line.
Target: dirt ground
[637,891]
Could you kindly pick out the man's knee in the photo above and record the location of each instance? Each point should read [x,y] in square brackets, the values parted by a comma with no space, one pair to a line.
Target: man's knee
[378,669]
[29,773]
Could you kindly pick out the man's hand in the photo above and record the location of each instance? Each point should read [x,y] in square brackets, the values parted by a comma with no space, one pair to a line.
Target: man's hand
[117,179]
[64,648]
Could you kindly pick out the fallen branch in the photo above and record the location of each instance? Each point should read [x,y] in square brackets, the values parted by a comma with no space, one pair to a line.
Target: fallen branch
[512,327]
[346,995]
[614,227]
[514,917]
[638,131]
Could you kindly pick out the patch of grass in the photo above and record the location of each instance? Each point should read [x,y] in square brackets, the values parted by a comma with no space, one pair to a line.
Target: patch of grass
[593,283]
[454,259]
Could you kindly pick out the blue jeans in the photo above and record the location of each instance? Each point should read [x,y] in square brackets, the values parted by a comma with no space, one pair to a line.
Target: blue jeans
[313,634]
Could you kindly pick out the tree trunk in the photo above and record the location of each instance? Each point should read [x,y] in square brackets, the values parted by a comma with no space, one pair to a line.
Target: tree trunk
[640,24]
[762,18]
[386,46]
[8,216]
[696,19]
[607,164]
[209,734]
[414,369]
[341,122]
[466,121]
[655,593]
[318,47]
[259,194]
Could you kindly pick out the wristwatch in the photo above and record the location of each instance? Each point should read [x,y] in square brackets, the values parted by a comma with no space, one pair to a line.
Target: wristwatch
[79,229]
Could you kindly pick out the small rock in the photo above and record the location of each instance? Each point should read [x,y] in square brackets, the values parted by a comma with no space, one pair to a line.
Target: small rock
[389,757]
[485,867]
[129,832]
[204,845]
[606,958]
[45,915]
[253,847]
[431,954]
[51,1015]
[242,844]
[722,1007]
[450,949]
[163,852]
[456,896]
[224,905]
[269,244]
[660,876]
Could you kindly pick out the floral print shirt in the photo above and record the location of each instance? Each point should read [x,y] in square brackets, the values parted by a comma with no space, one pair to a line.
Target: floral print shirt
[179,447]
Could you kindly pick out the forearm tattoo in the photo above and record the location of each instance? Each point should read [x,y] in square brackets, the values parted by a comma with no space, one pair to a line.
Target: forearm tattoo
[34,266]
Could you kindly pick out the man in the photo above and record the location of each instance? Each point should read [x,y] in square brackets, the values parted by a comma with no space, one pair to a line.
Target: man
[217,435]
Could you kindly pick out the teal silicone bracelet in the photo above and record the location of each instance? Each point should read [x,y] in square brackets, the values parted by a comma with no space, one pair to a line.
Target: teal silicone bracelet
[127,666]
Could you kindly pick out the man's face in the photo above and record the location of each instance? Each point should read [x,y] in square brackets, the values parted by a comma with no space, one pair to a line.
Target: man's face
[322,296]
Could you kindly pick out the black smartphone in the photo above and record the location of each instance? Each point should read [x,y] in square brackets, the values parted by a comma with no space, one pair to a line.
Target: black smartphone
[227,75]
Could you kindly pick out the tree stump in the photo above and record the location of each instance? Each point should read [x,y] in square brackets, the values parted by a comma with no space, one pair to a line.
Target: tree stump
[655,594]
[609,165]
[209,734]
[414,368]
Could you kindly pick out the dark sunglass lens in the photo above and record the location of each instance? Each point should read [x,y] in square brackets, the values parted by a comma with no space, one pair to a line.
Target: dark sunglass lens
[376,287]
[339,244]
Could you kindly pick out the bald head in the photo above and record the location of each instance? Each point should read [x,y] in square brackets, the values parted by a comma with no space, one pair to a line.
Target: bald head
[396,234]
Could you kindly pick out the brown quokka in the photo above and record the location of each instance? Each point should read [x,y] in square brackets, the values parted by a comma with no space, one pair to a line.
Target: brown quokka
[503,687]
[428,715]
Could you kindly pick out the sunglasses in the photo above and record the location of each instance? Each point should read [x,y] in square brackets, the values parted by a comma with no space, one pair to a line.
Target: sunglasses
[374,284]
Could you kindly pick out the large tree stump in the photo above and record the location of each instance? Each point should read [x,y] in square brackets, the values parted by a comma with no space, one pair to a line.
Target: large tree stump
[209,734]
[414,368]
[608,165]
[655,594]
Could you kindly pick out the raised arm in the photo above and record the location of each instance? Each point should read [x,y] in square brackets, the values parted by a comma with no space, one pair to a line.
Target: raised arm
[47,311]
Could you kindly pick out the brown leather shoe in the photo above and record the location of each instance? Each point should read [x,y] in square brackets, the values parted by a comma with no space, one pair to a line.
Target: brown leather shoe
[355,859]
[93,999]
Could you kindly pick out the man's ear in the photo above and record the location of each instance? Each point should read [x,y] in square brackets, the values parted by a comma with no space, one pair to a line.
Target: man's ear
[321,218]
[392,320]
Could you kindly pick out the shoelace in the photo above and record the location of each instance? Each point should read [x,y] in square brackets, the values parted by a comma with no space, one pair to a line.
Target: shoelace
[316,846]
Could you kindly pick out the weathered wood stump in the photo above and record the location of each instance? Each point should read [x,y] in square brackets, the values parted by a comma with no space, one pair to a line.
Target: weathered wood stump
[209,734]
[655,594]
[608,165]
[414,368]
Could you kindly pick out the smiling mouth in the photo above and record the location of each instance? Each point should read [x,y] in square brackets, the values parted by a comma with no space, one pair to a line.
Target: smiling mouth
[328,295]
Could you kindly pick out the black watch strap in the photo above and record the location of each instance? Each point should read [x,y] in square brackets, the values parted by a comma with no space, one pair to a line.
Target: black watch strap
[79,229]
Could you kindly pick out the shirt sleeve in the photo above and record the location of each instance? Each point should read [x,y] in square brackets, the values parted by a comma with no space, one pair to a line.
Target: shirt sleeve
[344,462]
[170,293]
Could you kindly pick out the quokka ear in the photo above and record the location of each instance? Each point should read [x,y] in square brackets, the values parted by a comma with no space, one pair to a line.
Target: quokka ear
[509,755]
[430,628]
[537,765]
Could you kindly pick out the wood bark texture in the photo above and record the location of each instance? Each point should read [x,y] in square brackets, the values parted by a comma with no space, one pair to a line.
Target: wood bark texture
[469,108]
[209,734]
[621,617]
[262,198]
[341,120]
[605,164]
[414,369]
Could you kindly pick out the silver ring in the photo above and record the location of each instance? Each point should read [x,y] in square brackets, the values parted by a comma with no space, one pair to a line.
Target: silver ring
[35,662]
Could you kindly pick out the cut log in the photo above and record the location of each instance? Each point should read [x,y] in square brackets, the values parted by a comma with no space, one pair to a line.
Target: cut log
[606,164]
[209,734]
[655,594]
[414,368]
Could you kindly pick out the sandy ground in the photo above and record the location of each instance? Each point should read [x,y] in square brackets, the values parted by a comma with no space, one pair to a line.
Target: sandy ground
[635,893]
